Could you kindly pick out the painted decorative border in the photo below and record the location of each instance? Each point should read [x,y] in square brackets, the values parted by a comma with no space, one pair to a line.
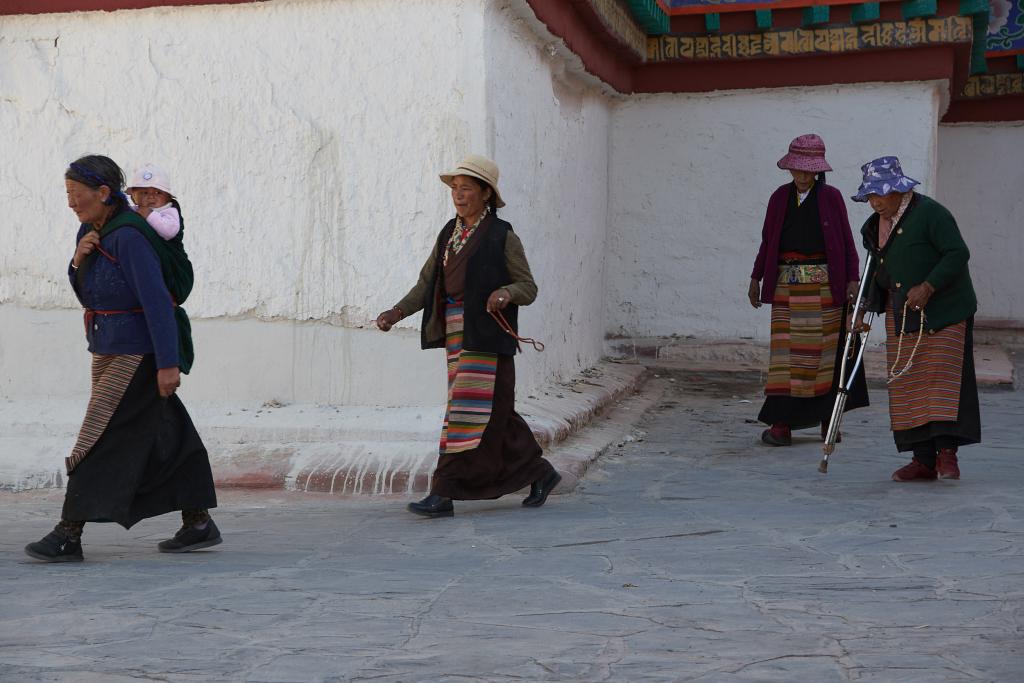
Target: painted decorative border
[620,23]
[1005,26]
[994,85]
[823,41]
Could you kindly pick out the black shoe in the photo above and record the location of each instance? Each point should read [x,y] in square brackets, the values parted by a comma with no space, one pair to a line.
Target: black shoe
[190,538]
[541,489]
[433,506]
[55,546]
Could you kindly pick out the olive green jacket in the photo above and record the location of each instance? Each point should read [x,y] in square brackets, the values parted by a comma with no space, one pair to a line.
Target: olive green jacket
[925,245]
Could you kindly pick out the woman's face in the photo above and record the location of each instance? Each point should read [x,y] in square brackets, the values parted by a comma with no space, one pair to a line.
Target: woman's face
[468,198]
[802,179]
[87,202]
[150,197]
[886,206]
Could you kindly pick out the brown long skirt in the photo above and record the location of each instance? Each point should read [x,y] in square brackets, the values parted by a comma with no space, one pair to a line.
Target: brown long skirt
[508,457]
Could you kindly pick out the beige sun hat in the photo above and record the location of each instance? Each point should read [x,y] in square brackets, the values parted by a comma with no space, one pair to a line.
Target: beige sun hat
[478,167]
[153,176]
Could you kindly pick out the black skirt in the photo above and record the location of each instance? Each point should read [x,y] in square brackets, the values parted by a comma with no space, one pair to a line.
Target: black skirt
[508,457]
[148,462]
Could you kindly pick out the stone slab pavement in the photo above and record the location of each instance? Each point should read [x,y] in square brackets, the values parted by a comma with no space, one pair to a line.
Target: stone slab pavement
[688,552]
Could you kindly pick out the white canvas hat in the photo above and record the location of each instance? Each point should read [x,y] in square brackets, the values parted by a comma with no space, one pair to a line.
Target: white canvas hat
[151,176]
[480,167]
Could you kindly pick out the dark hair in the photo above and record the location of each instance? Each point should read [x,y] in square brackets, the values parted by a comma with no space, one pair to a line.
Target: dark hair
[492,201]
[820,177]
[95,171]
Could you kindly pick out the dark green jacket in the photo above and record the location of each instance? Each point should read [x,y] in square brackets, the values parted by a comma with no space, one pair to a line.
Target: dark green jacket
[925,245]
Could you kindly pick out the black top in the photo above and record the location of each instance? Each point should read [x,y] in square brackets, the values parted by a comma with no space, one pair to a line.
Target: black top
[801,229]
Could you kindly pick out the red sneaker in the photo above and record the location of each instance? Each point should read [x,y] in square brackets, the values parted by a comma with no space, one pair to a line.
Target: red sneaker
[946,464]
[778,435]
[915,471]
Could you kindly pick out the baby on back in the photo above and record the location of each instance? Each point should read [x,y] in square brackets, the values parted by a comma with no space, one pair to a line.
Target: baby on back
[150,189]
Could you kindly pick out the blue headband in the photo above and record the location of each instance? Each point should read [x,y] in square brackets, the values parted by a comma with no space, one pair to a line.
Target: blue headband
[82,171]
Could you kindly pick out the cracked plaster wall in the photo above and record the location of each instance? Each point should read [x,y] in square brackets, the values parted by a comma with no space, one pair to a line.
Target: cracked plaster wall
[304,144]
[690,181]
[980,180]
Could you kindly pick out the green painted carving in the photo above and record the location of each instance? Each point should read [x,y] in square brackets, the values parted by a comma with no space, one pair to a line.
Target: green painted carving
[969,7]
[764,18]
[1020,62]
[713,22]
[913,9]
[815,15]
[650,16]
[867,12]
[978,63]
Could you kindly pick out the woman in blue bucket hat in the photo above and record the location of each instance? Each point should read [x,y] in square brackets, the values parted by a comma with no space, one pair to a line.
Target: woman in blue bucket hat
[922,283]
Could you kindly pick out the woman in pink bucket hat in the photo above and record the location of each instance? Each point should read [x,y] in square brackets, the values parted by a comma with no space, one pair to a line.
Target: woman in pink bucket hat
[808,264]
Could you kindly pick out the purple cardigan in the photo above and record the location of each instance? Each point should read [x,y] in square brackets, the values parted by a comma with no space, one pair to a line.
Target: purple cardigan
[840,252]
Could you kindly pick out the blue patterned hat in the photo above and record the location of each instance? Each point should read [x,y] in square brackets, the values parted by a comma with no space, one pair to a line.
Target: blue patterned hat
[883,176]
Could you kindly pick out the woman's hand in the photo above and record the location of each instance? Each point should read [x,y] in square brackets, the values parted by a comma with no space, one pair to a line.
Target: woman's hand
[857,325]
[388,318]
[167,380]
[754,293]
[852,289]
[86,246]
[917,297]
[498,300]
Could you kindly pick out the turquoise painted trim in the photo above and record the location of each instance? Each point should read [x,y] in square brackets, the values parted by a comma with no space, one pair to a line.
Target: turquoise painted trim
[866,12]
[650,16]
[914,9]
[815,15]
[1020,62]
[969,7]
[978,63]
[764,18]
[713,22]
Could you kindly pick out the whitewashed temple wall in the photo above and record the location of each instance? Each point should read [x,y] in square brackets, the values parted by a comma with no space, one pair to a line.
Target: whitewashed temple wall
[304,145]
[690,181]
[980,181]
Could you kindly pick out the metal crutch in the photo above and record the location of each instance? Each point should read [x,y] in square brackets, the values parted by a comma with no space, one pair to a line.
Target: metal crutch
[846,382]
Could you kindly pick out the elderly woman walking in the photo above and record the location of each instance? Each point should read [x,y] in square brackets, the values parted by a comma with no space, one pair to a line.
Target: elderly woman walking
[808,262]
[138,454]
[922,284]
[476,277]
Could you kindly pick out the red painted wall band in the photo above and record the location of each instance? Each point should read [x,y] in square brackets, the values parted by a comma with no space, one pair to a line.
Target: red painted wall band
[54,6]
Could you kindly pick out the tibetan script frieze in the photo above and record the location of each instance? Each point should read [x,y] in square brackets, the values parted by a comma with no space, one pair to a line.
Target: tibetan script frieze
[994,85]
[820,41]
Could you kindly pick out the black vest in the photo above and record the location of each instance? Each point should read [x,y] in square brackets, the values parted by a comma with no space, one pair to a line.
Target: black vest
[486,271]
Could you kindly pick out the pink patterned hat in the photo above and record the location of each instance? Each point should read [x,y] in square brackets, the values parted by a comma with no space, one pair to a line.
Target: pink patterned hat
[806,153]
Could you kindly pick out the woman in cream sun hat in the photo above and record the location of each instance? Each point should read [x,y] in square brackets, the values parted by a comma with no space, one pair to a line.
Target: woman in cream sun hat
[477,267]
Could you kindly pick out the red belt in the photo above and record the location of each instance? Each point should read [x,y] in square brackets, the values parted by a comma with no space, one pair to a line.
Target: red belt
[90,315]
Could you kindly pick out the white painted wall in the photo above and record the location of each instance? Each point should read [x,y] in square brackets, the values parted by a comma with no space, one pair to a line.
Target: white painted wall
[549,133]
[690,181]
[304,143]
[980,181]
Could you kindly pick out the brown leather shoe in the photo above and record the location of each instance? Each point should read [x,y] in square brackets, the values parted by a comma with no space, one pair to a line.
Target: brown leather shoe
[946,464]
[914,471]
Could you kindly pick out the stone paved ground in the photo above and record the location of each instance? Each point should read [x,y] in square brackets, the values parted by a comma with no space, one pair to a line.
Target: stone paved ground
[690,553]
